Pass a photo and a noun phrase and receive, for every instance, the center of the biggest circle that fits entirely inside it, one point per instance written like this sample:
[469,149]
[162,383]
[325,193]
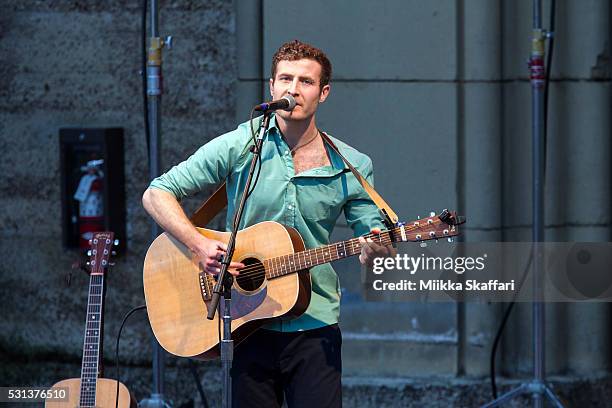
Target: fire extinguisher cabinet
[93,184]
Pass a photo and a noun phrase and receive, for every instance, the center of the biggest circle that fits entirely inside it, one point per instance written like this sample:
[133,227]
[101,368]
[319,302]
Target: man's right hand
[168,213]
[210,254]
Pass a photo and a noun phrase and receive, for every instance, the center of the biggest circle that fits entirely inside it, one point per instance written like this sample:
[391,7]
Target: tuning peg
[113,253]
[450,239]
[111,264]
[432,213]
[89,252]
[423,244]
[116,242]
[88,263]
[90,242]
[418,217]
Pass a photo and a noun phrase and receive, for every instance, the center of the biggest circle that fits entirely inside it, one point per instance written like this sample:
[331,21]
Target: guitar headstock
[441,226]
[101,249]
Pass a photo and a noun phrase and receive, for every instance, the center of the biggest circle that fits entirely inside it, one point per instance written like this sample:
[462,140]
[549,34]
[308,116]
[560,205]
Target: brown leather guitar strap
[211,207]
[218,200]
[378,200]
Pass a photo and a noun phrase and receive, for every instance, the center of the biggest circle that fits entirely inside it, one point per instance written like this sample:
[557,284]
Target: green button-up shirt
[310,201]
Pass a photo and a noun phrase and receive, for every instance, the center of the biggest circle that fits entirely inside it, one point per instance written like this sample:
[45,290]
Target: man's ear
[271,87]
[324,93]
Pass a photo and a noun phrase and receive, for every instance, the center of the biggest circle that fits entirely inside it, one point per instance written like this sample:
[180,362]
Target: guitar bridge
[206,287]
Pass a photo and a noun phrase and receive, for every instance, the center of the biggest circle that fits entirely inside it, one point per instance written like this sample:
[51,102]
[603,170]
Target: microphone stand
[537,387]
[223,287]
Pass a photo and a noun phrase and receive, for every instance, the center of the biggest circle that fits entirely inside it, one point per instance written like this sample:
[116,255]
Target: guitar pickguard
[244,304]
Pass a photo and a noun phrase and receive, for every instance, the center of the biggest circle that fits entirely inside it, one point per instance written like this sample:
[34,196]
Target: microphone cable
[142,307]
[254,137]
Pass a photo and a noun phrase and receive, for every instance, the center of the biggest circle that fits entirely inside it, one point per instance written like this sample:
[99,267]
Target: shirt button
[290,207]
[286,152]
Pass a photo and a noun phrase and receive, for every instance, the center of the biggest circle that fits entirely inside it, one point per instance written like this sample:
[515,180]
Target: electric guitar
[90,390]
[274,283]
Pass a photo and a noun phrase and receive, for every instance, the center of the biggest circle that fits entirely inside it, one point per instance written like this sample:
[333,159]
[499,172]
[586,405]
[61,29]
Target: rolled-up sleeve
[208,166]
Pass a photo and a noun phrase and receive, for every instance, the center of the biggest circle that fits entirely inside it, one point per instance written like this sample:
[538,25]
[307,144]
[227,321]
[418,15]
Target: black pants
[304,366]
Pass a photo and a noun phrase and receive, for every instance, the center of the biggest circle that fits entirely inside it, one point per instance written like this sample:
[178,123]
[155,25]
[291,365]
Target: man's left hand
[371,249]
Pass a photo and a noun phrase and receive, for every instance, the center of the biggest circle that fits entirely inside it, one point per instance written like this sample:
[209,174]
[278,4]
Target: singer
[303,184]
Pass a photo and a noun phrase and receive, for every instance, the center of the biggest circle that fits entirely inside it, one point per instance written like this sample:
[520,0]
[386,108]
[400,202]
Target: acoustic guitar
[275,282]
[90,390]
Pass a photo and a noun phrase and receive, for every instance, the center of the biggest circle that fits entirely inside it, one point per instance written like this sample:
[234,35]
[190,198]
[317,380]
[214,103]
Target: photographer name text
[443,285]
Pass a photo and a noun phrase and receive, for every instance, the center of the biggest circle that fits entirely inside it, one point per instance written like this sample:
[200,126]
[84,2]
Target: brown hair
[297,50]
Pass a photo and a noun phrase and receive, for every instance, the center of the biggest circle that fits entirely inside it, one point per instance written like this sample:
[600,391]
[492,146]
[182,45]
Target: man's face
[301,79]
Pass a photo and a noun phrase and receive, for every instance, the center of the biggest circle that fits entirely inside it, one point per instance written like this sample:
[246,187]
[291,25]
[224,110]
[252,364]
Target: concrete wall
[578,171]
[68,63]
[437,93]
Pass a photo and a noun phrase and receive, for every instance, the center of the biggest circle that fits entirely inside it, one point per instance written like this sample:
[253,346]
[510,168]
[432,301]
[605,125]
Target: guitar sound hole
[252,276]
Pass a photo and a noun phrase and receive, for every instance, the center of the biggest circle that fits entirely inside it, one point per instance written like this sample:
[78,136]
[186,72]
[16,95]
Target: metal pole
[154,90]
[227,350]
[537,130]
[537,387]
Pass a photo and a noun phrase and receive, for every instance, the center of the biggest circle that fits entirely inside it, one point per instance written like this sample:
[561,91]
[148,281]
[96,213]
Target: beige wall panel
[369,40]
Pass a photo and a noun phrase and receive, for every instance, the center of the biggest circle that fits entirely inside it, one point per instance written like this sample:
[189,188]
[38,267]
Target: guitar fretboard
[91,345]
[430,228]
[283,265]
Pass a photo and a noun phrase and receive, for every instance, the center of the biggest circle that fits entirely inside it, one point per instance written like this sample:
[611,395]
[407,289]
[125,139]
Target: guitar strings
[256,270]
[384,239]
[258,267]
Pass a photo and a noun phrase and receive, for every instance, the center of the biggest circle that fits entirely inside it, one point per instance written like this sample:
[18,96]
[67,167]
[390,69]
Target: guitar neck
[430,228]
[284,265]
[92,344]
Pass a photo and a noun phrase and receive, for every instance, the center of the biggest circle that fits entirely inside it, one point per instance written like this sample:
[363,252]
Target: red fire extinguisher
[91,204]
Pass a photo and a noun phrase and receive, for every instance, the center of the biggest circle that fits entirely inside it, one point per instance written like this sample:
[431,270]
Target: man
[303,184]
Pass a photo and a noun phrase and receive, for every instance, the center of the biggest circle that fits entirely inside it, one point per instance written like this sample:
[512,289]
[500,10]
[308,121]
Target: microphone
[287,103]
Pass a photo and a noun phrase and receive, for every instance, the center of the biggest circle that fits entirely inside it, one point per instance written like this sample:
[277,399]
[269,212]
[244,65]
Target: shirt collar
[336,161]
[273,125]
